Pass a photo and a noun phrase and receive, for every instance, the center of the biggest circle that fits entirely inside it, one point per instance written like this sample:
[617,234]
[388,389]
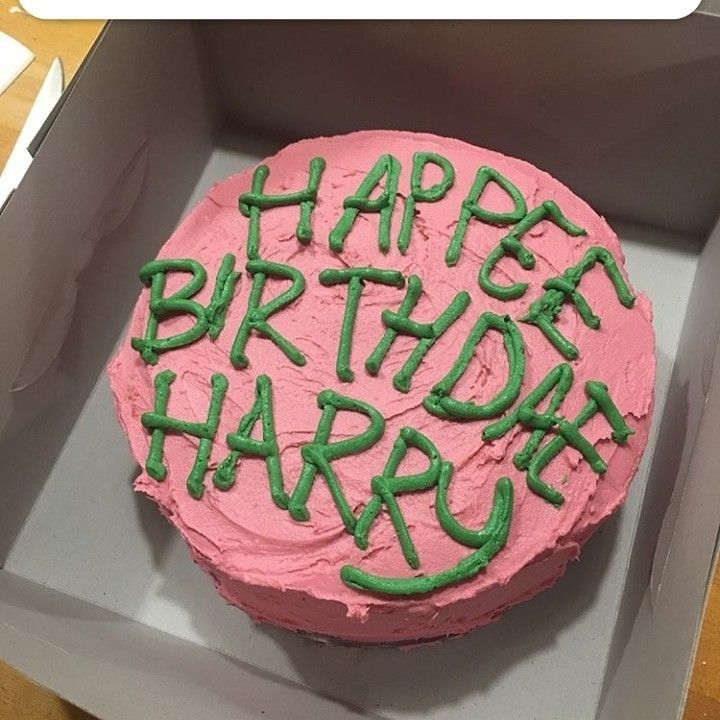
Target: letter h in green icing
[210,319]
[319,454]
[563,289]
[355,279]
[427,334]
[160,424]
[251,204]
[389,167]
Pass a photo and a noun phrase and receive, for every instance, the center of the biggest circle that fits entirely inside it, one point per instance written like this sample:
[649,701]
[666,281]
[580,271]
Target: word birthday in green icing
[550,432]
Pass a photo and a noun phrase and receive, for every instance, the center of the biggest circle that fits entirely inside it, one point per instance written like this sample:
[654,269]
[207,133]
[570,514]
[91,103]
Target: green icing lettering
[467,536]
[560,380]
[256,317]
[440,402]
[511,245]
[355,278]
[242,444]
[387,486]
[568,433]
[533,460]
[419,194]
[251,204]
[227,279]
[398,323]
[319,454]
[159,423]
[471,208]
[211,319]
[498,527]
[544,311]
[389,167]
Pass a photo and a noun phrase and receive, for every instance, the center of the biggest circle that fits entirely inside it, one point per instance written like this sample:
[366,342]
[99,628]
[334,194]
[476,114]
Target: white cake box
[99,599]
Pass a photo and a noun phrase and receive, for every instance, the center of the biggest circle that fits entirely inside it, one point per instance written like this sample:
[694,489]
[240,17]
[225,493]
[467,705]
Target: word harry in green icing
[318,456]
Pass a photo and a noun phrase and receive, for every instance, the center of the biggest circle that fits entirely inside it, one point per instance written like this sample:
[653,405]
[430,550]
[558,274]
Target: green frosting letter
[252,203]
[489,540]
[419,194]
[389,167]
[511,245]
[211,319]
[399,323]
[319,454]
[535,460]
[387,486]
[241,443]
[544,311]
[440,403]
[355,278]
[160,424]
[471,208]
[257,315]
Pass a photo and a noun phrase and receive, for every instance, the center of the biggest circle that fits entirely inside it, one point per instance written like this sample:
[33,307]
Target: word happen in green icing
[386,486]
[441,403]
[210,319]
[534,460]
[559,290]
[319,454]
[399,323]
[251,204]
[355,278]
[159,423]
[419,194]
[388,167]
[489,540]
[377,193]
[256,317]
[511,245]
[242,444]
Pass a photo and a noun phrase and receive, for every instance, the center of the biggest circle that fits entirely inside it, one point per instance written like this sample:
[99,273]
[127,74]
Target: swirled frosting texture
[287,572]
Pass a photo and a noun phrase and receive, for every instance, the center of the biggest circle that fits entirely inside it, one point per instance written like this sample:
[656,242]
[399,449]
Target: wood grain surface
[69,40]
[21,699]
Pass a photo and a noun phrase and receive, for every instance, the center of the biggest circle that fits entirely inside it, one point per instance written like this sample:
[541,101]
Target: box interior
[220,101]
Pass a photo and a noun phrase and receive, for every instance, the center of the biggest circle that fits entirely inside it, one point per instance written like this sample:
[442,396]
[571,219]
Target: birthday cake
[386,384]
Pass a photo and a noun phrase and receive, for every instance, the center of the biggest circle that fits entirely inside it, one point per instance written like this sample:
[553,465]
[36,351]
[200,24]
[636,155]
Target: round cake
[386,384]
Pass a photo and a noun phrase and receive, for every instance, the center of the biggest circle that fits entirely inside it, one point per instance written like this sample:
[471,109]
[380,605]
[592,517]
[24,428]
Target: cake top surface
[452,308]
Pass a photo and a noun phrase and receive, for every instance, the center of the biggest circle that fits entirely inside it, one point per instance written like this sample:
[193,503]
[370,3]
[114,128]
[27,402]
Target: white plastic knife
[14,58]
[20,157]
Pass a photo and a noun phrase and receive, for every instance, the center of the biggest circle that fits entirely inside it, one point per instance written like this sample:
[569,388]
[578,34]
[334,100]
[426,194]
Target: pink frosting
[286,572]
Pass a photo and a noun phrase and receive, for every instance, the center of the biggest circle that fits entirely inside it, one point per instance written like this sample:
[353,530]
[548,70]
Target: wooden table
[21,699]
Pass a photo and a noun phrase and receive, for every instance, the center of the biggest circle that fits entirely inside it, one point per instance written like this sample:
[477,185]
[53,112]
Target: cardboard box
[99,599]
